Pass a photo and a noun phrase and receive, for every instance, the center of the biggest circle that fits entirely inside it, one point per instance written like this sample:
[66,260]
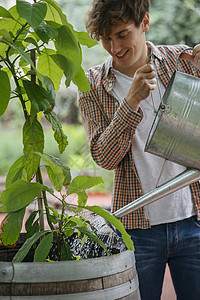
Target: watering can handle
[177,60]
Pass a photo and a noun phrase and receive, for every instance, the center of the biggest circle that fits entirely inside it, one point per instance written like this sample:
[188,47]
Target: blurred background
[172,21]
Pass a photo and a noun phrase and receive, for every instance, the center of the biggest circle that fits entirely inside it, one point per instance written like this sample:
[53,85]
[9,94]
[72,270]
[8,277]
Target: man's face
[127,45]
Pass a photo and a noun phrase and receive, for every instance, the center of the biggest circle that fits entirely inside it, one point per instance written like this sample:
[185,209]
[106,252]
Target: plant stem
[60,237]
[38,174]
[12,69]
[40,207]
[33,76]
[40,180]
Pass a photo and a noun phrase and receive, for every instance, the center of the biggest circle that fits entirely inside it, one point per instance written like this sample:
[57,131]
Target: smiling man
[117,114]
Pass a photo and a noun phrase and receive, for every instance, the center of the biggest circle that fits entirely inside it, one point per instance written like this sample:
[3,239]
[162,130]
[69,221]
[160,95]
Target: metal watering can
[174,136]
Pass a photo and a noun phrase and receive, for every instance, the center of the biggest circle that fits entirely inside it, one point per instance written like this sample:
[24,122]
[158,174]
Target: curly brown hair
[105,14]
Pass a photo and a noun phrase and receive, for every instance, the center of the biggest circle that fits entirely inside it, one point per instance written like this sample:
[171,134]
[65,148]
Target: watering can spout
[187,177]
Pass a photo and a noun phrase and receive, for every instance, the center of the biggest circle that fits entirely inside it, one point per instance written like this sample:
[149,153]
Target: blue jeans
[177,244]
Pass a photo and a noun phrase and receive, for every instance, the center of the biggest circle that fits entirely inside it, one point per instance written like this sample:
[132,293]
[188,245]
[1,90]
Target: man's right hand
[144,81]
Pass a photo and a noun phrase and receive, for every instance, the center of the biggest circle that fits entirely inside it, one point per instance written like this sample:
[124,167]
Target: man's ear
[145,22]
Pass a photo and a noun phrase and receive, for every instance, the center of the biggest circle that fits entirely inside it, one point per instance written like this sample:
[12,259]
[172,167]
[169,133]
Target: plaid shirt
[110,128]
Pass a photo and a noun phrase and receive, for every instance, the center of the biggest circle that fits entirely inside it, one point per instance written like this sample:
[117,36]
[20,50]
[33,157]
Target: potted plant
[37,47]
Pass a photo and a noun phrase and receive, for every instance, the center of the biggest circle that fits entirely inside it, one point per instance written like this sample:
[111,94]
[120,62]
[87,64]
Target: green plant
[37,47]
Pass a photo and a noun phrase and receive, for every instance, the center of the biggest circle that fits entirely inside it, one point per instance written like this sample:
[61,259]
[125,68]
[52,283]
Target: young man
[117,114]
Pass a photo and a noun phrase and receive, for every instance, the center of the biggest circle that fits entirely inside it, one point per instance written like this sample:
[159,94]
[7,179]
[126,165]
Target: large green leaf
[85,39]
[23,251]
[79,184]
[82,199]
[6,35]
[3,48]
[33,229]
[81,81]
[30,220]
[11,25]
[68,46]
[4,13]
[35,96]
[66,253]
[20,194]
[83,182]
[54,12]
[48,67]
[5,91]
[46,32]
[54,171]
[16,172]
[11,227]
[115,222]
[34,13]
[63,63]
[33,140]
[43,248]
[59,135]
[41,99]
[49,92]
[57,162]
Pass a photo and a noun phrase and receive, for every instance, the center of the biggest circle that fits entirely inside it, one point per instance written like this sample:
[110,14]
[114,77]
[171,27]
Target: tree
[174,22]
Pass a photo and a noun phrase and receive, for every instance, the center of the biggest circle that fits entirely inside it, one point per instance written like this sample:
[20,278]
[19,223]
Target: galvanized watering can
[174,136]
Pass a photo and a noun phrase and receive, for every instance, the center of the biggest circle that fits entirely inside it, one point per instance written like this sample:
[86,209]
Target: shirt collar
[109,66]
[155,51]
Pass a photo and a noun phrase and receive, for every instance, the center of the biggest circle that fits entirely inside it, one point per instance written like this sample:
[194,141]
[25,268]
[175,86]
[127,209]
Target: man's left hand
[194,58]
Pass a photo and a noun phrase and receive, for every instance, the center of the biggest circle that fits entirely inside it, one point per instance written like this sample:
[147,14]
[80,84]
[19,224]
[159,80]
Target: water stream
[90,249]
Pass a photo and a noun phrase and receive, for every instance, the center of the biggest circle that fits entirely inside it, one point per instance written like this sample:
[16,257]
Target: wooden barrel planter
[108,277]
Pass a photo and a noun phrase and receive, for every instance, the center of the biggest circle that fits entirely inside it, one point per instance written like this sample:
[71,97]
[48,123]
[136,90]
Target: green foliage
[33,140]
[48,67]
[59,135]
[79,184]
[33,13]
[32,35]
[12,225]
[43,248]
[27,246]
[115,222]
[174,22]
[58,173]
[16,172]
[20,194]
[41,99]
[82,84]
[5,93]
[68,49]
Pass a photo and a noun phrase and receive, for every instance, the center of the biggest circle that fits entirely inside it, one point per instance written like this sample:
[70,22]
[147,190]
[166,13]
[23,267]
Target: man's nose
[115,46]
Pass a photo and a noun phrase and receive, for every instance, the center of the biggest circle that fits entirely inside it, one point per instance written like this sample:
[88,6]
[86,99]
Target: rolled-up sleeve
[110,137]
